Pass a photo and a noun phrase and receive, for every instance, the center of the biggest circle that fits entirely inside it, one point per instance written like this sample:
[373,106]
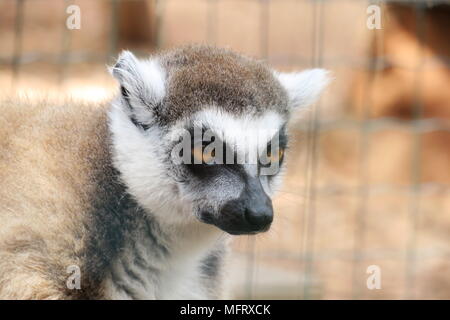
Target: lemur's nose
[258,206]
[260,214]
[252,212]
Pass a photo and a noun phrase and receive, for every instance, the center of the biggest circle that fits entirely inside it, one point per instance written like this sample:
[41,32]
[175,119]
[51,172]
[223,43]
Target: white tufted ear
[305,87]
[142,85]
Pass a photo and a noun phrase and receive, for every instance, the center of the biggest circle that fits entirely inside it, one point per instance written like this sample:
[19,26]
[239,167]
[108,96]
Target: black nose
[242,216]
[260,215]
[251,213]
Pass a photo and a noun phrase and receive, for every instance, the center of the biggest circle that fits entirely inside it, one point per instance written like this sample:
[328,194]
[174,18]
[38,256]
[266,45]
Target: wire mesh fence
[361,189]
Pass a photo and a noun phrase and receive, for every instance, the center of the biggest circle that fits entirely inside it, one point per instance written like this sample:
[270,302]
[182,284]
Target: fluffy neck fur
[165,252]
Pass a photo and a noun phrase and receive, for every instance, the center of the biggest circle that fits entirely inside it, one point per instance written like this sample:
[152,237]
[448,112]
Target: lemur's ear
[142,85]
[305,87]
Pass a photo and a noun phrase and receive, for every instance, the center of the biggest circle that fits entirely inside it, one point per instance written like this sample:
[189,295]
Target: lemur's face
[228,166]
[215,128]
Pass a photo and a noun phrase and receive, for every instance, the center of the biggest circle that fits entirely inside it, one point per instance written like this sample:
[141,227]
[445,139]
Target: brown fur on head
[176,84]
[199,76]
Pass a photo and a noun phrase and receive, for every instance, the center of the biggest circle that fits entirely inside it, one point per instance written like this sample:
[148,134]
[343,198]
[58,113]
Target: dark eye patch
[279,146]
[211,169]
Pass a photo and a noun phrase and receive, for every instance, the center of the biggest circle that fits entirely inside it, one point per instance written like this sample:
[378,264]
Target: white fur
[304,88]
[232,128]
[177,277]
[145,82]
[248,132]
[135,154]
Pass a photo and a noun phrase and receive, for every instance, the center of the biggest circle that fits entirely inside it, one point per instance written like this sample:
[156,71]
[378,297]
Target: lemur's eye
[273,156]
[276,155]
[200,156]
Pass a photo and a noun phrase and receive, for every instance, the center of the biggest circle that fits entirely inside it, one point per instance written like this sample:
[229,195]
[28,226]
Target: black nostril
[259,217]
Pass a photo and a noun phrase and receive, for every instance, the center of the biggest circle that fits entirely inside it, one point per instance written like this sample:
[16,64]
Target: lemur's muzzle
[251,213]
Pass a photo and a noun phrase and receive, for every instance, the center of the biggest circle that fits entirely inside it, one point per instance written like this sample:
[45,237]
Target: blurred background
[368,179]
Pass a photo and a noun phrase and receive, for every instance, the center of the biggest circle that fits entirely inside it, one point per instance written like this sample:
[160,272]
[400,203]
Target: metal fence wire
[298,267]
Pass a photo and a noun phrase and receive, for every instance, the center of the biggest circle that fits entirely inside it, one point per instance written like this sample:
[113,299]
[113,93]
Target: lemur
[96,187]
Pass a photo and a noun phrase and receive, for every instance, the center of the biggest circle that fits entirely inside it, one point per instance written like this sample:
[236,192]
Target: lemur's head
[199,134]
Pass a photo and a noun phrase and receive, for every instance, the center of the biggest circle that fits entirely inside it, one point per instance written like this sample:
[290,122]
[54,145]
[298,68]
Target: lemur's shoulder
[52,146]
[55,170]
